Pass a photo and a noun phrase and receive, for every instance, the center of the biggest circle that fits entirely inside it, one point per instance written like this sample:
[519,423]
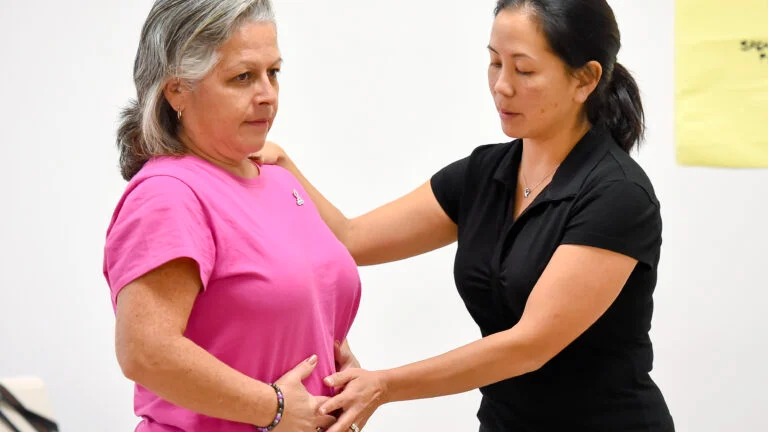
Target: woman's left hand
[364,392]
[344,357]
[270,154]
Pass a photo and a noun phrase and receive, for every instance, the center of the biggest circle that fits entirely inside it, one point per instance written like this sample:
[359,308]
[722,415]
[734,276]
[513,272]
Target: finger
[340,379]
[334,404]
[319,401]
[344,422]
[325,421]
[304,369]
[337,353]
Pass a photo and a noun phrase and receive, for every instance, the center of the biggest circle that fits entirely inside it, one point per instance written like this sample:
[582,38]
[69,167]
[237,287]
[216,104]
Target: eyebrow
[251,65]
[515,55]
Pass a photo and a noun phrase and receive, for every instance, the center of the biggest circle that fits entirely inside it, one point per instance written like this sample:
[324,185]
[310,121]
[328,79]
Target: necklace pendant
[526,192]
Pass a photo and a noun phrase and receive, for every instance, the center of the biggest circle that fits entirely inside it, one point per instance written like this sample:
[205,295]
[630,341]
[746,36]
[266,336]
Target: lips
[508,114]
[258,122]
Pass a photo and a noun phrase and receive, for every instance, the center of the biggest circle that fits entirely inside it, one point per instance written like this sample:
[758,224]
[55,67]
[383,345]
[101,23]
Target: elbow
[528,361]
[132,364]
[531,354]
[137,360]
[347,237]
[534,363]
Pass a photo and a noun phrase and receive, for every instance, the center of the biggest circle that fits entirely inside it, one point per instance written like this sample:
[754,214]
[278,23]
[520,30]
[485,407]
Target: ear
[175,93]
[587,79]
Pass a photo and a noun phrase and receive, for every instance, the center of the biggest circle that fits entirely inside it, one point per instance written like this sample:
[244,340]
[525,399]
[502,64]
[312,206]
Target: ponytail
[129,141]
[147,130]
[619,109]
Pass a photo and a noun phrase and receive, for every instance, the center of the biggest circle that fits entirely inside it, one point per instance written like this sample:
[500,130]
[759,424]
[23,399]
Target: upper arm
[612,230]
[153,309]
[424,220]
[159,253]
[578,285]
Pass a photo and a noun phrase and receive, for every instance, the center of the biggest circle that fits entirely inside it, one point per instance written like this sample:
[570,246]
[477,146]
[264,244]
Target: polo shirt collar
[571,174]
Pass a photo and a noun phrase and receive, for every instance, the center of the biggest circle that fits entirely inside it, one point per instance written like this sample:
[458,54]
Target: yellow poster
[721,83]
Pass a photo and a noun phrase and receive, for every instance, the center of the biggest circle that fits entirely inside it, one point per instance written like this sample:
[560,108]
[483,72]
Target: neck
[542,155]
[241,167]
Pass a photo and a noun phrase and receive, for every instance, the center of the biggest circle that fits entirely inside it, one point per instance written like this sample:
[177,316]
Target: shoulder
[482,163]
[277,173]
[474,169]
[488,157]
[182,168]
[162,186]
[171,178]
[616,169]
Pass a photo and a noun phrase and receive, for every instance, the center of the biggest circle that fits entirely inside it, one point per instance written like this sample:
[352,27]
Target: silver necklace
[526,190]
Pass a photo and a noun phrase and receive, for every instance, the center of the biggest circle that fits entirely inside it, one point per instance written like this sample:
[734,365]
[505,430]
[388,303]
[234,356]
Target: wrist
[270,407]
[385,385]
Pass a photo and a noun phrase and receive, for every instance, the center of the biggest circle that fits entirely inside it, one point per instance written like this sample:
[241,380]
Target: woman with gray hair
[232,297]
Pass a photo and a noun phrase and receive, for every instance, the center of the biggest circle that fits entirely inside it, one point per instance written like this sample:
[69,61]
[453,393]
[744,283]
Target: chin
[513,131]
[252,145]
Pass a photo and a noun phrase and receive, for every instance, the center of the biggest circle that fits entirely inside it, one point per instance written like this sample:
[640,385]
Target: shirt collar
[571,174]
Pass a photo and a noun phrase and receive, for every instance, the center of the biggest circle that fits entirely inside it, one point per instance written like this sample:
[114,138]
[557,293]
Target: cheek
[493,76]
[541,99]
[219,114]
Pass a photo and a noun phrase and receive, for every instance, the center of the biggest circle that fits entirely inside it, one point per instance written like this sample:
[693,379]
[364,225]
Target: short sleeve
[159,220]
[621,217]
[448,187]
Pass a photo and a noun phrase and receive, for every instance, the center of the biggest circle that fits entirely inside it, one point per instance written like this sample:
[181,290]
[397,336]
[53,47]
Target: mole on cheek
[554,106]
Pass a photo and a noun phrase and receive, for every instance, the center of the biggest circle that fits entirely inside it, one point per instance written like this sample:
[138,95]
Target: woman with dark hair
[559,237]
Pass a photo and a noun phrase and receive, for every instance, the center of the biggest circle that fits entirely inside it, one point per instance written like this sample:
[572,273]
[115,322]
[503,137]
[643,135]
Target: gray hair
[179,40]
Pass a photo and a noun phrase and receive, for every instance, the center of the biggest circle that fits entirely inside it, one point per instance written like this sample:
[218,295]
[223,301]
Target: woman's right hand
[301,413]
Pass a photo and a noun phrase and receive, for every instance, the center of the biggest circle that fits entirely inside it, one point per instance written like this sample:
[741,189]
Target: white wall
[376,96]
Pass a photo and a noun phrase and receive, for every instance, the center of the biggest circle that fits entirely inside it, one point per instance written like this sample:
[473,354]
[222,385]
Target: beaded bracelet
[280,408]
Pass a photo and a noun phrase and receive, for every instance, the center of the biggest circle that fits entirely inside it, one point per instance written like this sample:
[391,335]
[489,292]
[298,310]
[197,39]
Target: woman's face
[228,113]
[534,92]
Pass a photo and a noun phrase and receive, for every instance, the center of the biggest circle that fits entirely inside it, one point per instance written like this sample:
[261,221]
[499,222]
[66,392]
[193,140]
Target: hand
[301,408]
[270,154]
[344,357]
[363,393]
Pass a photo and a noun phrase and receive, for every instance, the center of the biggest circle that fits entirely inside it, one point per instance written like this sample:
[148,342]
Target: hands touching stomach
[358,398]
[301,413]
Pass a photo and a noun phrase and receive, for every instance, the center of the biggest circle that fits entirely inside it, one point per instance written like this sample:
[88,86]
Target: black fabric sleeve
[619,216]
[448,187]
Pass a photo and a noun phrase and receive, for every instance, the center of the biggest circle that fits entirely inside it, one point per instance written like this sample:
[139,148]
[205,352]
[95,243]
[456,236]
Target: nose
[267,92]
[503,85]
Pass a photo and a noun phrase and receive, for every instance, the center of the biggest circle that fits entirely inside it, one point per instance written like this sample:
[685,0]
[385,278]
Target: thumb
[341,379]
[304,369]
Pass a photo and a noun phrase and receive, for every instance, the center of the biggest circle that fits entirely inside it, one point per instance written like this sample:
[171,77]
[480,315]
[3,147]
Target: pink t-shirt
[278,285]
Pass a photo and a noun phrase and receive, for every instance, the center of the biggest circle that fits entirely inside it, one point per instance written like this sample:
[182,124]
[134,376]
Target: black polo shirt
[598,197]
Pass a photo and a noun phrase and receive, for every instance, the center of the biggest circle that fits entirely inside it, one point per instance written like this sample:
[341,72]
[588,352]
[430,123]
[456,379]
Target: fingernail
[328,381]
[322,411]
[313,359]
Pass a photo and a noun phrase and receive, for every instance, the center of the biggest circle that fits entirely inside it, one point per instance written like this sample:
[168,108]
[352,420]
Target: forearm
[487,361]
[333,217]
[184,374]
